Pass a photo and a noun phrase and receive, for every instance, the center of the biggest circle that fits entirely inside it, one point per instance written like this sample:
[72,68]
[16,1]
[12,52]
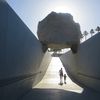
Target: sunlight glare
[68,9]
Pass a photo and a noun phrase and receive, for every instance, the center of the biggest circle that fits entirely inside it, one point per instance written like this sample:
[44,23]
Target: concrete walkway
[58,94]
[51,78]
[49,88]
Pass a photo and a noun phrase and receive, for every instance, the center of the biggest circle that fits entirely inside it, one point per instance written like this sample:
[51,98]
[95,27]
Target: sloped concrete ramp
[84,67]
[22,61]
[50,89]
[51,78]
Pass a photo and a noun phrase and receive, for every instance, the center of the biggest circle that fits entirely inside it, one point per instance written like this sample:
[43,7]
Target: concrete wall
[84,66]
[22,62]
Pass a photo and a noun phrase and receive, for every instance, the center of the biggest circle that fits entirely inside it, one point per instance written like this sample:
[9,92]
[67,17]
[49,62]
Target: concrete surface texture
[23,64]
[58,94]
[50,89]
[52,78]
[84,66]
[21,57]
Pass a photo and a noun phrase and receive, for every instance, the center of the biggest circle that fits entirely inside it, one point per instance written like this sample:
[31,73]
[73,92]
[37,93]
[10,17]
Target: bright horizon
[85,12]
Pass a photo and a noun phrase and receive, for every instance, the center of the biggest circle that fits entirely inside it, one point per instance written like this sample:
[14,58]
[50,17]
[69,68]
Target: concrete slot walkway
[49,88]
[51,78]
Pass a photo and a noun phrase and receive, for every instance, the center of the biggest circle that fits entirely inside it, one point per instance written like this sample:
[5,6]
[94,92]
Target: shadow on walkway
[49,89]
[58,94]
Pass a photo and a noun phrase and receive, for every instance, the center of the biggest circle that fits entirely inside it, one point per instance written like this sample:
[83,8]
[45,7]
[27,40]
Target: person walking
[65,78]
[61,76]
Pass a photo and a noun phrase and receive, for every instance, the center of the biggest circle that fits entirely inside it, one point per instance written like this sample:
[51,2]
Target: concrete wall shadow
[22,61]
[84,66]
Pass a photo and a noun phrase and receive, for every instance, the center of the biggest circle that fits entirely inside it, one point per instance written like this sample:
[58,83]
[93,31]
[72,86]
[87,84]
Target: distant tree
[92,32]
[81,36]
[85,33]
[98,29]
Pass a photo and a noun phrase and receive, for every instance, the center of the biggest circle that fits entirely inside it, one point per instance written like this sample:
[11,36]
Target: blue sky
[85,12]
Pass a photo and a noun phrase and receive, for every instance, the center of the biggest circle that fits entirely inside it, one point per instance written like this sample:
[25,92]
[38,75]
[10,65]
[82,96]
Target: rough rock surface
[58,28]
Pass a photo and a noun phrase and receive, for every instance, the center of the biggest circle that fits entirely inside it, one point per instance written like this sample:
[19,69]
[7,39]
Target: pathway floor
[50,89]
[51,78]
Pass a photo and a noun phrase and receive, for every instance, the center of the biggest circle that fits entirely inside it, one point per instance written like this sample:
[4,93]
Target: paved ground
[51,78]
[49,88]
[58,94]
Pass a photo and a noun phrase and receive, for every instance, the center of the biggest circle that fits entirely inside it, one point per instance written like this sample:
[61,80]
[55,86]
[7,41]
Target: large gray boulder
[58,30]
